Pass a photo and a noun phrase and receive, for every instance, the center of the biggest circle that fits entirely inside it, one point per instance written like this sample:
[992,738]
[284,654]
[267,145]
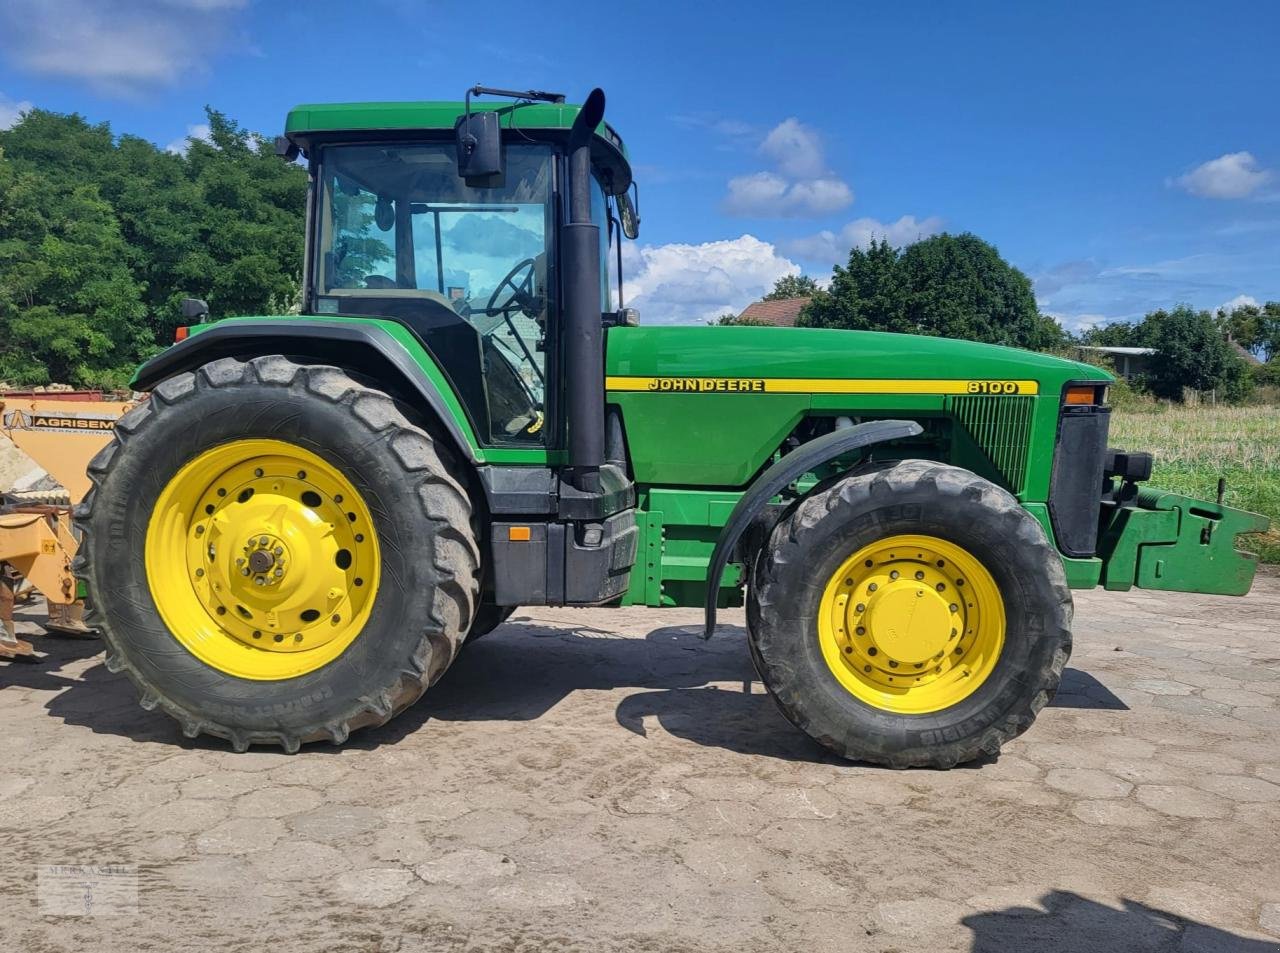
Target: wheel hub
[279,553]
[911,624]
[908,622]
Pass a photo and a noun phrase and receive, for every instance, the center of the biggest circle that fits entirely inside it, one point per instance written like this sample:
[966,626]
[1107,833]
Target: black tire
[488,617]
[421,512]
[919,497]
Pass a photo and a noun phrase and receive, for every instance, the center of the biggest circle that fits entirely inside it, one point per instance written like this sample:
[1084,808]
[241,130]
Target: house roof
[781,313]
[1120,350]
[1244,353]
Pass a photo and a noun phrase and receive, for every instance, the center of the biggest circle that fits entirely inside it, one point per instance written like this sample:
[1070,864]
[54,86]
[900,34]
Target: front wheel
[274,553]
[916,616]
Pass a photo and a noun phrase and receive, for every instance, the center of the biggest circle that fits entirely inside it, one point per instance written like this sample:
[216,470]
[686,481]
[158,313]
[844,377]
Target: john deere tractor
[299,530]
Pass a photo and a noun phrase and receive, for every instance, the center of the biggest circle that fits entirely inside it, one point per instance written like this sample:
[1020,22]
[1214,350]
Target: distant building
[781,313]
[1129,361]
[1244,353]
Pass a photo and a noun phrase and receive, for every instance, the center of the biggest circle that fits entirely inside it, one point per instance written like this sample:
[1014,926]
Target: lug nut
[954,607]
[894,574]
[244,571]
[259,581]
[860,608]
[262,540]
[919,574]
[279,550]
[279,573]
[872,587]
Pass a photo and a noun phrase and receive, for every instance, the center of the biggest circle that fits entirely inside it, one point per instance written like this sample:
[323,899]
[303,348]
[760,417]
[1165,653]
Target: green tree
[792,286]
[737,320]
[1190,352]
[865,295]
[101,237]
[953,286]
[1254,327]
[1116,334]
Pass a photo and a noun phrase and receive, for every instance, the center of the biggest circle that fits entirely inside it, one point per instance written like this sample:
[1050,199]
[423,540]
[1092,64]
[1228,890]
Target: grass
[1193,446]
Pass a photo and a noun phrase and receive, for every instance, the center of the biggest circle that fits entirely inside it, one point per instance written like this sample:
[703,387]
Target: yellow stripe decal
[819,385]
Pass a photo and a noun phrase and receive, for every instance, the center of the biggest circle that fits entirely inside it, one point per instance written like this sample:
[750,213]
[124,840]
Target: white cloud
[795,149]
[1235,175]
[117,46]
[690,284]
[199,130]
[11,112]
[1239,301]
[766,195]
[832,247]
[802,185]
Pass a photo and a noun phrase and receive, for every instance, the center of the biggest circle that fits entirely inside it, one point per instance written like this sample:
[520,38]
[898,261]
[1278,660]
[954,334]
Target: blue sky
[1125,156]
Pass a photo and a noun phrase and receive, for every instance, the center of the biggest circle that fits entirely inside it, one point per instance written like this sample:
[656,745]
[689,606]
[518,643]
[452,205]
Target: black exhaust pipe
[584,346]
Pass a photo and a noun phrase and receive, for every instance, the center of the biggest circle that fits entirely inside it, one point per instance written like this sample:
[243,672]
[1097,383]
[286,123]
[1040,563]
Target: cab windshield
[401,235]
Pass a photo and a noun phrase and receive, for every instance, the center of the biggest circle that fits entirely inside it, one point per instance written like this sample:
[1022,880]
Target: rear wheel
[275,554]
[917,616]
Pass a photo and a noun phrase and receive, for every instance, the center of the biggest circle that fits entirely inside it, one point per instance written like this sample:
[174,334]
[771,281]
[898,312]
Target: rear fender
[782,474]
[402,368]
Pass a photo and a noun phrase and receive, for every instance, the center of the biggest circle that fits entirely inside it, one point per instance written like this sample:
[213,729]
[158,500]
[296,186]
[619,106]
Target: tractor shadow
[703,692]
[1066,922]
[706,692]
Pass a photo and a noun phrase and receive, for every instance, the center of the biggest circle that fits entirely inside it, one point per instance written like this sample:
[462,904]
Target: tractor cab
[406,224]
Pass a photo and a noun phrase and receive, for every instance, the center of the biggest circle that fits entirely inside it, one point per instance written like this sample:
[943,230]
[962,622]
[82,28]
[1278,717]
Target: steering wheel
[520,280]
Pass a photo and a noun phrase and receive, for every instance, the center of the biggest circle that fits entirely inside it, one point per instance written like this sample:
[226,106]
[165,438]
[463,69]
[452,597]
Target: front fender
[781,475]
[374,348]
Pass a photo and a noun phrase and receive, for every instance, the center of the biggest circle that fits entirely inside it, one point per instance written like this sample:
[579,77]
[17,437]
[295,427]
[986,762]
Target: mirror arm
[617,242]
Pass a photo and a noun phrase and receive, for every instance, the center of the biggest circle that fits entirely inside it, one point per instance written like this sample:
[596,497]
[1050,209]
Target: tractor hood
[812,360]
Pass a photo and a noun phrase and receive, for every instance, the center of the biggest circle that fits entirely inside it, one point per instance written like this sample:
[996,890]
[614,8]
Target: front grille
[1001,427]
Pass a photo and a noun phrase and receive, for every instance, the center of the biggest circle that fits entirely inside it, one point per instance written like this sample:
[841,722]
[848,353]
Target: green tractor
[299,530]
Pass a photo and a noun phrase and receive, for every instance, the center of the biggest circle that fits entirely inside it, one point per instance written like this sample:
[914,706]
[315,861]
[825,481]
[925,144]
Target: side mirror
[479,137]
[193,309]
[628,217]
[285,149]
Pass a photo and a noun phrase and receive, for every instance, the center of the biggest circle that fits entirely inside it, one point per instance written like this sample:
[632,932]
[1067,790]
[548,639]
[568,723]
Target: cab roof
[314,122]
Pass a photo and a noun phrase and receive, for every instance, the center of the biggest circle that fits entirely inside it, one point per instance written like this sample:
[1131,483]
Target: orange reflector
[518,534]
[181,334]
[1080,395]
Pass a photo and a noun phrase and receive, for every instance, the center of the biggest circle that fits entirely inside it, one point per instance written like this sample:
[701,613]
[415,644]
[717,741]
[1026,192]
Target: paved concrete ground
[592,781]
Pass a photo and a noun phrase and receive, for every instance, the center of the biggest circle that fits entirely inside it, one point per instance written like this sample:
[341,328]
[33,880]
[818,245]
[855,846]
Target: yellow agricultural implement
[60,432]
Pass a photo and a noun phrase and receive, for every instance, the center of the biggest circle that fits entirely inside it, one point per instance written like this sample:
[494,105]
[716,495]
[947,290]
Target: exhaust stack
[584,347]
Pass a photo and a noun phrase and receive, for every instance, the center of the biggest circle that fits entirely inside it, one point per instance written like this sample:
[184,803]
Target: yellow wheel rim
[262,559]
[911,624]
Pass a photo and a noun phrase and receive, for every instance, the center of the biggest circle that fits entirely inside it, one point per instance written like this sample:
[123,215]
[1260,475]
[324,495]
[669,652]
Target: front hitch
[1164,540]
